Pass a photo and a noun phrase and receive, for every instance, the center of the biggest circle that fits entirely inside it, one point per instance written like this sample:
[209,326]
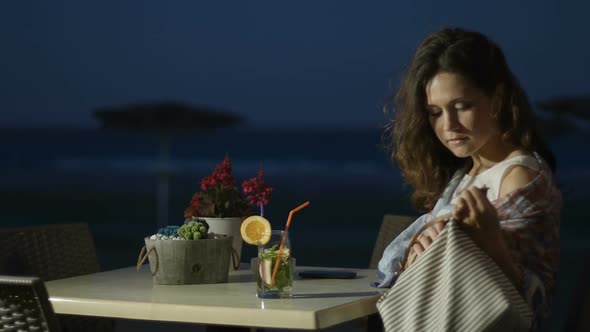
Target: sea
[113,180]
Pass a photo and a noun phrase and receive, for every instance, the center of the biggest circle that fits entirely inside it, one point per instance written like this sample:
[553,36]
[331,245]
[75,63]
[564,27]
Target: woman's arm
[480,219]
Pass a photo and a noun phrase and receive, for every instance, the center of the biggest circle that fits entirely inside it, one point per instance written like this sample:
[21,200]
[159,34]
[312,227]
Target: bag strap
[409,259]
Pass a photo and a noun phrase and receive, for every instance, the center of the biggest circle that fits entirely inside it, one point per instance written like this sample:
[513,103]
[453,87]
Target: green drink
[268,258]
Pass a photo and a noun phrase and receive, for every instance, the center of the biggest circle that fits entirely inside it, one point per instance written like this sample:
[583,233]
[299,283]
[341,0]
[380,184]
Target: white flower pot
[228,226]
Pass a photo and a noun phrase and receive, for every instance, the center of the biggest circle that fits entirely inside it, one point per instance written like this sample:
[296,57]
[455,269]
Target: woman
[463,136]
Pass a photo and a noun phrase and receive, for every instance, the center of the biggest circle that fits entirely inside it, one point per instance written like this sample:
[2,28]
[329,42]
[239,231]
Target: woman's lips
[457,140]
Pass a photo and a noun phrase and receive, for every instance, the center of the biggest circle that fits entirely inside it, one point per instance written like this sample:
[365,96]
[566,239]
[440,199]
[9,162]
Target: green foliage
[285,271]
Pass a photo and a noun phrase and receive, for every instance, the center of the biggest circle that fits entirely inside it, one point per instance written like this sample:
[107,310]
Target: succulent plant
[193,229]
[169,231]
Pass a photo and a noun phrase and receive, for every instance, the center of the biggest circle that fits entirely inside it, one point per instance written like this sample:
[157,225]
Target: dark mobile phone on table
[321,274]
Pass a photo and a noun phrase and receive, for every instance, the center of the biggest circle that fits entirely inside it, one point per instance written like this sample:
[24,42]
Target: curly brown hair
[425,162]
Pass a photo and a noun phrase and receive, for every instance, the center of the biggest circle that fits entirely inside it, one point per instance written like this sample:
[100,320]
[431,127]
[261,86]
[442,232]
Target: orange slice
[256,230]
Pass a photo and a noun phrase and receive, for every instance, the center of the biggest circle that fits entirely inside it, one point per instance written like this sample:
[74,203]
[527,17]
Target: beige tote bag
[454,286]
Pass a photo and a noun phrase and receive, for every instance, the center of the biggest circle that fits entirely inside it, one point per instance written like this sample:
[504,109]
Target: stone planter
[177,262]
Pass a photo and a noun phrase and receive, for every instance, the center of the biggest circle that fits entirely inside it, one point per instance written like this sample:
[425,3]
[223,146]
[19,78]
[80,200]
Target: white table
[130,294]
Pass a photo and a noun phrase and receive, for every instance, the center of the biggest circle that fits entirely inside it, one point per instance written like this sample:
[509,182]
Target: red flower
[221,174]
[219,196]
[257,192]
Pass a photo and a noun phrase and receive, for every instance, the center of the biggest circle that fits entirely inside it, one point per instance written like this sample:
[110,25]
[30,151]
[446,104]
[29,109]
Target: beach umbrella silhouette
[165,119]
[577,106]
[565,114]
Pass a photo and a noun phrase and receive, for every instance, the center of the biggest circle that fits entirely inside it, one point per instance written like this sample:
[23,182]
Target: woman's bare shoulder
[516,177]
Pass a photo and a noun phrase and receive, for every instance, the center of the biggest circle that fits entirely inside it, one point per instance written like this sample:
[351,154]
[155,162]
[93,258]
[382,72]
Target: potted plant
[188,254]
[223,206]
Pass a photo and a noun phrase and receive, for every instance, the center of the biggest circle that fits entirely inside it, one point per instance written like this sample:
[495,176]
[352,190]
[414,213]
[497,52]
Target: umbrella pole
[163,181]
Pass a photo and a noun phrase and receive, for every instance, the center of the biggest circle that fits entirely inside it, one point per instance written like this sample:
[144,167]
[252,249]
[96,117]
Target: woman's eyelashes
[434,113]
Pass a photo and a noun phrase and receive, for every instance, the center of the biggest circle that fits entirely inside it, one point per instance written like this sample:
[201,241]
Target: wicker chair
[391,227]
[53,252]
[24,305]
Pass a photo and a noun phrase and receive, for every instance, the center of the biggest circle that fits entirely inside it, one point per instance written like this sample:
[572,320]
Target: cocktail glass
[268,257]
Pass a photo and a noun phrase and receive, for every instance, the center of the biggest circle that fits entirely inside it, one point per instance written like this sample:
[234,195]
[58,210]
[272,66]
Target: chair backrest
[53,252]
[25,306]
[577,316]
[49,251]
[391,227]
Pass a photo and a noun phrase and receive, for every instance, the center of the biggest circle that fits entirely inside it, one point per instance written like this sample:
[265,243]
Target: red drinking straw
[276,269]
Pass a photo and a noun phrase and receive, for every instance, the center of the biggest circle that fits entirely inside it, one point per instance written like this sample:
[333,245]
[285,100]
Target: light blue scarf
[389,265]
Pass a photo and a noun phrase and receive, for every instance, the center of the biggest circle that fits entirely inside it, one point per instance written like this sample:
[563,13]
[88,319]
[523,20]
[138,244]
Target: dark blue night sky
[303,63]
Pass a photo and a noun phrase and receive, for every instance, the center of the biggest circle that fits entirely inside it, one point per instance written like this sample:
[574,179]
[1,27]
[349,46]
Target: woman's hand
[473,208]
[424,240]
[475,211]
[479,217]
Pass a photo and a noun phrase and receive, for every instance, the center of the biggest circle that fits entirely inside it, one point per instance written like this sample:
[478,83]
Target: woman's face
[460,115]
